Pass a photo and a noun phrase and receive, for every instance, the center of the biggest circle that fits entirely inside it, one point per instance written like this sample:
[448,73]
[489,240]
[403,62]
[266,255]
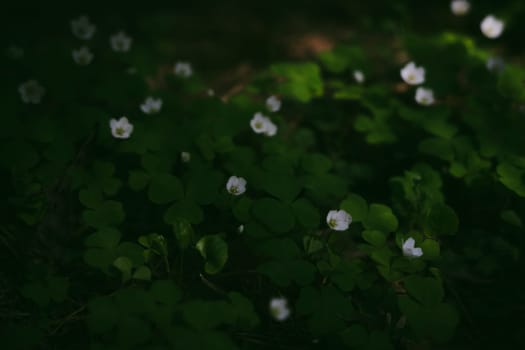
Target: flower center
[332,223]
[411,77]
[119,131]
[234,189]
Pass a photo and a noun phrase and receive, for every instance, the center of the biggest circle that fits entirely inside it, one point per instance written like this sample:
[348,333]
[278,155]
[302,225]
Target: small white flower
[338,220]
[83,56]
[210,92]
[460,7]
[120,42]
[236,185]
[424,97]
[82,28]
[409,249]
[185,157]
[279,309]
[492,27]
[151,105]
[183,69]
[240,229]
[15,52]
[359,76]
[413,75]
[495,64]
[31,92]
[261,124]
[273,103]
[121,128]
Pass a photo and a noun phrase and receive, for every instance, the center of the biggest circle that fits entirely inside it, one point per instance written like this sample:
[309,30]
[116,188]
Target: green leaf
[91,197]
[307,215]
[107,238]
[183,232]
[203,185]
[316,163]
[165,292]
[276,215]
[138,180]
[142,273]
[242,208]
[342,57]
[321,306]
[282,186]
[102,315]
[510,83]
[442,220]
[430,248]
[438,321]
[164,188]
[380,217]
[356,206]
[214,251]
[374,237]
[510,217]
[427,290]
[107,214]
[185,209]
[124,265]
[512,177]
[301,81]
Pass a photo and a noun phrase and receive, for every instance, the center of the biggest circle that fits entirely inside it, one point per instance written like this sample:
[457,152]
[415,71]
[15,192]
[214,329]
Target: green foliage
[124,243]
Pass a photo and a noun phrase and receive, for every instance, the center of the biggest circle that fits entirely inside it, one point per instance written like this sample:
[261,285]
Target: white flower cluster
[460,7]
[31,92]
[273,103]
[261,124]
[120,42]
[236,185]
[279,309]
[82,28]
[121,128]
[82,56]
[338,220]
[414,75]
[409,249]
[151,105]
[183,69]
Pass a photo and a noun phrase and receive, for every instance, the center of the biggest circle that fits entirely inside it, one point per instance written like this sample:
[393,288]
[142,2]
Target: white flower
[82,28]
[210,92]
[279,309]
[261,124]
[183,69]
[424,96]
[31,92]
[492,27]
[151,105]
[121,128]
[240,229]
[185,157]
[273,103]
[120,42]
[409,249]
[83,56]
[413,75]
[359,76]
[236,185]
[338,220]
[460,7]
